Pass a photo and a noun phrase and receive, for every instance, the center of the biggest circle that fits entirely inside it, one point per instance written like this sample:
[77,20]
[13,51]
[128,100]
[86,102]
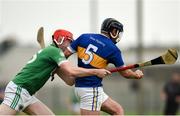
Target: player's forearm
[72,71]
[81,72]
[69,80]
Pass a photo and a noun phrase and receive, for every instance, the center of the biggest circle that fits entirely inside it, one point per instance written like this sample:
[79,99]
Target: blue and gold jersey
[95,51]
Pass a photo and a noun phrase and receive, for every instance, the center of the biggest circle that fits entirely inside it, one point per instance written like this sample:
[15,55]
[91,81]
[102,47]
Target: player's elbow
[70,83]
[69,80]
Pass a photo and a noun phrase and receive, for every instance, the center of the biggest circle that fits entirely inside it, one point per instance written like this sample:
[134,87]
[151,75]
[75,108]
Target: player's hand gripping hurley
[169,57]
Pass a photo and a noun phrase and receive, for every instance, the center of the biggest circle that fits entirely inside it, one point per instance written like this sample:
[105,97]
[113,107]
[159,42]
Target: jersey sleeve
[116,58]
[74,45]
[57,56]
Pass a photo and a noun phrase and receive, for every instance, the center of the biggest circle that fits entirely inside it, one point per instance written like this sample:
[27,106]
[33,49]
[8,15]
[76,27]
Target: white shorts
[91,98]
[17,97]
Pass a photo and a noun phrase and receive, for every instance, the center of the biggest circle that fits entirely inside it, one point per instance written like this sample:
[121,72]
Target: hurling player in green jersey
[19,93]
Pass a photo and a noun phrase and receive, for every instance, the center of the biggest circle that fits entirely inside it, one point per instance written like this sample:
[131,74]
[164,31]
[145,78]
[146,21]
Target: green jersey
[38,70]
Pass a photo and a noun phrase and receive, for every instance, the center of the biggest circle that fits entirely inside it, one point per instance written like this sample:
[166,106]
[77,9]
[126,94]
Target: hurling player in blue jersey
[96,51]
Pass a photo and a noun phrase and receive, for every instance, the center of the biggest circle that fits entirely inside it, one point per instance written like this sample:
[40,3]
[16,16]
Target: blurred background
[150,28]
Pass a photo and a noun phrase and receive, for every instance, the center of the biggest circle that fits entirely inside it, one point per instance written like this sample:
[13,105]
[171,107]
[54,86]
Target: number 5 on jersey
[89,53]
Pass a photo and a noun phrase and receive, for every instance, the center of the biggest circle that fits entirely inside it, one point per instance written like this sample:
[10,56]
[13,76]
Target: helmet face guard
[108,25]
[117,37]
[61,35]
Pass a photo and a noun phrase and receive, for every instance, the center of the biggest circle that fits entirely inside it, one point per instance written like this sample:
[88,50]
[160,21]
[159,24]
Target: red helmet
[65,35]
